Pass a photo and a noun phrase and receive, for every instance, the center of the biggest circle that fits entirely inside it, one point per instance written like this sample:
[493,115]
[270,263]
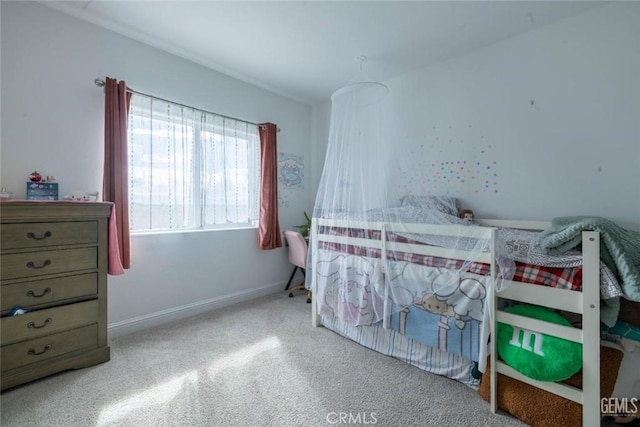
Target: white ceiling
[307,49]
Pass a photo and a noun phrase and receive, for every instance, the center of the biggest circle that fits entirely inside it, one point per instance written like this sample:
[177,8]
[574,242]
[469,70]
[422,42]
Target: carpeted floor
[256,364]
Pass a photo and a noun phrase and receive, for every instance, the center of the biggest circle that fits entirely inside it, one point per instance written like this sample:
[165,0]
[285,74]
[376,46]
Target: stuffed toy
[81,196]
[536,355]
[466,214]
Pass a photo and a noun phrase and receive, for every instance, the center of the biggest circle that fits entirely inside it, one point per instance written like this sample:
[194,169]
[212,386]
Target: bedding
[362,300]
[620,248]
[520,255]
[392,343]
[355,284]
[445,204]
[437,301]
[558,274]
[440,308]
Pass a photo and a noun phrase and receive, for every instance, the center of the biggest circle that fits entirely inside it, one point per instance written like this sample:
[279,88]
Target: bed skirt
[394,344]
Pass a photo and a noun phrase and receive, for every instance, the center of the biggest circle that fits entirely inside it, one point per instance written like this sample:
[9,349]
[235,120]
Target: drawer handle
[30,235]
[33,352]
[46,262]
[32,325]
[32,294]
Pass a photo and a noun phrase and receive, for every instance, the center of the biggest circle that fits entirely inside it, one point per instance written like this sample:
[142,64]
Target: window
[190,169]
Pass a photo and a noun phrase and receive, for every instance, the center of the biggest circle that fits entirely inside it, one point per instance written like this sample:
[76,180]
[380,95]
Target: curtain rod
[101,83]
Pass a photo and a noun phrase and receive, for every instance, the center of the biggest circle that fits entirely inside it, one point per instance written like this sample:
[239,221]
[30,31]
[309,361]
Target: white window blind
[190,169]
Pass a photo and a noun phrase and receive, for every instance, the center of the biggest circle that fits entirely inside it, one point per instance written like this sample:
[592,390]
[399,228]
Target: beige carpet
[256,364]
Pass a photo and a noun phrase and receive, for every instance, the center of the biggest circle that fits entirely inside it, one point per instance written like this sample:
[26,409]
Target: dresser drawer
[35,350]
[46,291]
[43,234]
[30,264]
[44,322]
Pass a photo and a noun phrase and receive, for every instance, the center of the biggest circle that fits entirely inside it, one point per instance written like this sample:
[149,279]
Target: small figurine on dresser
[35,177]
[81,196]
[466,214]
[5,195]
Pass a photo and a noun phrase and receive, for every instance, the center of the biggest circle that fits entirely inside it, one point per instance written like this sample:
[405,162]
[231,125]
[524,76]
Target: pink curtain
[116,173]
[269,228]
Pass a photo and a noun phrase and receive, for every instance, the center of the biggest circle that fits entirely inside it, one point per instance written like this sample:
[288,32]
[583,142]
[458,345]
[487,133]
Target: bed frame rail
[321,233]
[586,303]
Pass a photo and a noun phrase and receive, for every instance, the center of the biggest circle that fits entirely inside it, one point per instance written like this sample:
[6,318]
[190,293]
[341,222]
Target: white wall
[320,123]
[553,113]
[52,121]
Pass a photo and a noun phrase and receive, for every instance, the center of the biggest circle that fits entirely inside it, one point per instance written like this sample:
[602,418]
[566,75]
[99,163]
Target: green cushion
[541,357]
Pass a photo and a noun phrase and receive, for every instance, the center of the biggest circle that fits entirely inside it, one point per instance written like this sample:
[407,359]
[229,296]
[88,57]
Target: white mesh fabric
[358,184]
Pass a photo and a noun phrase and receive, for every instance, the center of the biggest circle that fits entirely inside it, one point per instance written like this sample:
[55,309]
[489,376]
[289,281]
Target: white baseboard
[125,327]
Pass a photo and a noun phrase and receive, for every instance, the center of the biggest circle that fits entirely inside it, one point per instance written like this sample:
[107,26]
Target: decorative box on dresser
[53,264]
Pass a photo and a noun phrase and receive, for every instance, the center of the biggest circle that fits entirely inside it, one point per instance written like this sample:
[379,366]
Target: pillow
[445,204]
[538,356]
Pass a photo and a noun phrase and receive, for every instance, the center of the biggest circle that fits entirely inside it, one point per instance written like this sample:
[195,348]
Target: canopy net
[372,258]
[358,192]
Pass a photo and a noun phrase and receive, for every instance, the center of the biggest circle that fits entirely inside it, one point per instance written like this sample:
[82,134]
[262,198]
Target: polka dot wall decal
[451,160]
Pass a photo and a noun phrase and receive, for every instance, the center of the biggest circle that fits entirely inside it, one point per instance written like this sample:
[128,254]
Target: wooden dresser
[53,263]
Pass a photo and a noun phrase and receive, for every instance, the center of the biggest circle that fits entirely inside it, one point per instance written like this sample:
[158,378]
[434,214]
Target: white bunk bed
[585,303]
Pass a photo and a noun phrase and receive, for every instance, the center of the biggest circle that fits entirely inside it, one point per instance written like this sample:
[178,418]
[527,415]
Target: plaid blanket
[531,265]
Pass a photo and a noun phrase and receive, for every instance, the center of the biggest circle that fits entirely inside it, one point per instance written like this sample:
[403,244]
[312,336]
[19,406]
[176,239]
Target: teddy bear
[81,196]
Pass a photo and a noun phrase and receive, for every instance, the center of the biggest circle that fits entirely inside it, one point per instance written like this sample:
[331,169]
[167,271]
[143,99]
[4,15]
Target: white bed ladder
[586,303]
